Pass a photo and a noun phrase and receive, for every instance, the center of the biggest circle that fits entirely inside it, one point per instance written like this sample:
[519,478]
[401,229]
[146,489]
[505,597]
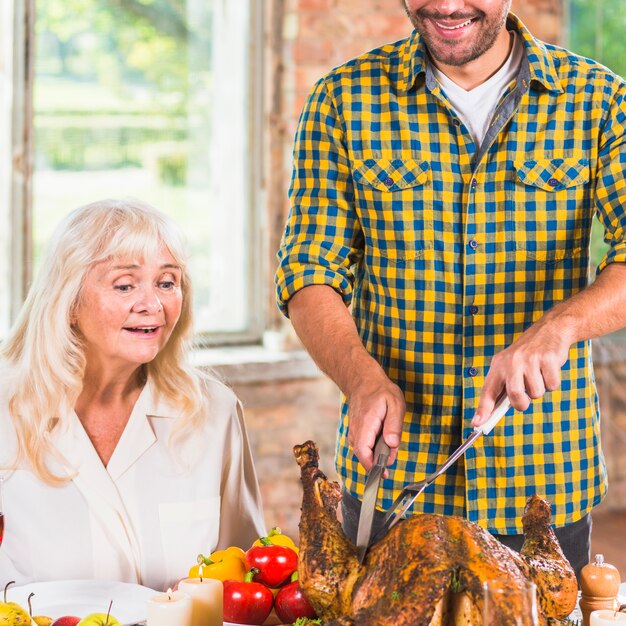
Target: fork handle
[498,413]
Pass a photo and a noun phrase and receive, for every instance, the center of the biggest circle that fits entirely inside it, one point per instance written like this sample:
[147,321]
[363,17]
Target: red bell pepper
[290,602]
[247,602]
[275,563]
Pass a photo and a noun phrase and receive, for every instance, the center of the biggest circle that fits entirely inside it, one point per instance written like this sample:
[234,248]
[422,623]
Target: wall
[305,39]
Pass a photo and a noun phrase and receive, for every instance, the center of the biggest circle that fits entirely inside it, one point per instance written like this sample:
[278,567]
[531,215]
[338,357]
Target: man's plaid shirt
[448,251]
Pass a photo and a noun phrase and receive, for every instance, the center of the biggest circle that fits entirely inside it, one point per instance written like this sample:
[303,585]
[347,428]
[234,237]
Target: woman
[120,460]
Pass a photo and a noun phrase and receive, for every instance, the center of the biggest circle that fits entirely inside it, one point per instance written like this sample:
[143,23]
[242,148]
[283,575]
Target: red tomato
[276,564]
[246,602]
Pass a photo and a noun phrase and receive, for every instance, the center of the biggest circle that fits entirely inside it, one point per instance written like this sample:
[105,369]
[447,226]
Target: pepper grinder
[599,584]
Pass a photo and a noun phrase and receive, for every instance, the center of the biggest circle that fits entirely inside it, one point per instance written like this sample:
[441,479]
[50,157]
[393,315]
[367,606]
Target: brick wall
[306,38]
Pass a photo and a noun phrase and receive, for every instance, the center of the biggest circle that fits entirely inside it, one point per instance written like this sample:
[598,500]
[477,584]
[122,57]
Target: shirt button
[473,309]
[457,121]
[472,371]
[553,182]
[473,244]
[388,181]
[474,183]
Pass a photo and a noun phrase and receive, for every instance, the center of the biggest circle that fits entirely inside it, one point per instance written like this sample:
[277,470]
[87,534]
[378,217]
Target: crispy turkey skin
[428,570]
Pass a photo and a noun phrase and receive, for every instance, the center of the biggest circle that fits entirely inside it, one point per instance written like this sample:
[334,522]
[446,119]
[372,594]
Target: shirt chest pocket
[549,208]
[394,200]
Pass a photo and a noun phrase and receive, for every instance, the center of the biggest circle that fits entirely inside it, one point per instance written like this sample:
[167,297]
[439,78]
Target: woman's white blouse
[145,517]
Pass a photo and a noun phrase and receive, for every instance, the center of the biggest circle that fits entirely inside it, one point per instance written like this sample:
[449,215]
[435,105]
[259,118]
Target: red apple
[66,620]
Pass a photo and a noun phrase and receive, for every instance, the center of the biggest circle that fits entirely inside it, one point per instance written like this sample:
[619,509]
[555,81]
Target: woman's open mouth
[143,330]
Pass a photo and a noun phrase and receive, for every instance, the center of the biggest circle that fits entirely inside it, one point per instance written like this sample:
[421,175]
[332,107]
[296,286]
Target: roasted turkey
[428,570]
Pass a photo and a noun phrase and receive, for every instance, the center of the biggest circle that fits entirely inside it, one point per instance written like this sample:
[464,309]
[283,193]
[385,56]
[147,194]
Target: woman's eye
[167,284]
[123,288]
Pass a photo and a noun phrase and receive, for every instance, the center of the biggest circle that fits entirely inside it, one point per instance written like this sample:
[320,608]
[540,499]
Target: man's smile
[455,27]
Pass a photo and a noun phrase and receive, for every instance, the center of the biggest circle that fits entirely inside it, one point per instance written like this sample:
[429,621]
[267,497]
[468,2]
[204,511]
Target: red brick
[315,5]
[307,52]
[306,76]
[382,7]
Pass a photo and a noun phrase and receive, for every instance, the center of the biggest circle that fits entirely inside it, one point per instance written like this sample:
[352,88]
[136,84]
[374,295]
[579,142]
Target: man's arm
[328,332]
[532,364]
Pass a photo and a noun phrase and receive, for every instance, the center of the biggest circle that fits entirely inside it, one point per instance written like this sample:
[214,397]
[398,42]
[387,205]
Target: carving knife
[370,495]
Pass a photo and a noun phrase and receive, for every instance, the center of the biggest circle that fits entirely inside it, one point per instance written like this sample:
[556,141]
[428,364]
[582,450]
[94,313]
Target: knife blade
[370,495]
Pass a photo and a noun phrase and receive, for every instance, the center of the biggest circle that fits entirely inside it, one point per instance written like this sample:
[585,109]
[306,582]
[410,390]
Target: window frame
[20,197]
[20,200]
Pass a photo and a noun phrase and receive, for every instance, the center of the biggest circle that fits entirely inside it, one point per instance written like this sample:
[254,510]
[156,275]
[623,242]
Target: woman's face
[127,310]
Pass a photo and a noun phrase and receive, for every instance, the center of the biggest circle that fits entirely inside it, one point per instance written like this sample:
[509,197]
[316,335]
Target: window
[156,100]
[596,30]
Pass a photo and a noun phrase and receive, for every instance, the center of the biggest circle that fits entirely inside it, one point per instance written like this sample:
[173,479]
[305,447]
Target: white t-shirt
[476,107]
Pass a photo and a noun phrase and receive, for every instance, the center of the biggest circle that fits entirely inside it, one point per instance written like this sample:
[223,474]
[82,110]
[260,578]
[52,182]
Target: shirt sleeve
[241,513]
[611,181]
[322,240]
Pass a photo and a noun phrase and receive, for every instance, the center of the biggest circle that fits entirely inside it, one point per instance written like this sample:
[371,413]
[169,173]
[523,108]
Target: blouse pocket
[546,209]
[188,528]
[394,199]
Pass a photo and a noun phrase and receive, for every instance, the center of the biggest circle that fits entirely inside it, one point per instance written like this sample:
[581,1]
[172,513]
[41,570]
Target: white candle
[169,609]
[606,617]
[207,596]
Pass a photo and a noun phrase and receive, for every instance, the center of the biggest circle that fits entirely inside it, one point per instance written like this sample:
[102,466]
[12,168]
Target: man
[444,186]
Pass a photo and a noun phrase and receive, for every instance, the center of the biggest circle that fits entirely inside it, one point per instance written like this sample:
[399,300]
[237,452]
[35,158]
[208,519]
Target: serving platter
[82,597]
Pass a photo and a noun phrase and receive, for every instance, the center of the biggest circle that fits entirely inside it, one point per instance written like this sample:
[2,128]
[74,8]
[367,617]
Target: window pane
[150,99]
[597,31]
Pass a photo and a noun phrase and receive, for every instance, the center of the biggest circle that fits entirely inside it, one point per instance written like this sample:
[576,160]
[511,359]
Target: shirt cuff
[289,283]
[616,254]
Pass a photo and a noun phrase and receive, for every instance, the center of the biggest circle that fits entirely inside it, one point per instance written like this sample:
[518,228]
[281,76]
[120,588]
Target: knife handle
[381,451]
[498,413]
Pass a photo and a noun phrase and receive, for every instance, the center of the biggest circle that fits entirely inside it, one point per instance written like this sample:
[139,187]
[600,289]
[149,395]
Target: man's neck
[479,70]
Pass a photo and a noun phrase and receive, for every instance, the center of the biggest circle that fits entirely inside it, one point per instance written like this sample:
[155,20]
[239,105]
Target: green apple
[98,619]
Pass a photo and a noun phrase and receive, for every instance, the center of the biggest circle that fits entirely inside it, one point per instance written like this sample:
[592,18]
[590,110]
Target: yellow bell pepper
[276,537]
[223,565]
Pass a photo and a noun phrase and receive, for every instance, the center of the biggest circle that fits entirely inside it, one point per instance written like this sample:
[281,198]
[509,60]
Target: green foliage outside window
[596,30]
[113,82]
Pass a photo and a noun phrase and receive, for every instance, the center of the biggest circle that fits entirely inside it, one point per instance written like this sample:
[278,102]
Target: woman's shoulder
[217,392]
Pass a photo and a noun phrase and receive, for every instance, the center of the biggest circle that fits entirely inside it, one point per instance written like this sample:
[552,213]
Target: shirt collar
[414,58]
[157,404]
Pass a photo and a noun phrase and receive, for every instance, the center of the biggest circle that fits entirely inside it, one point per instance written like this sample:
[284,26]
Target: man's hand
[328,332]
[375,404]
[525,370]
[532,364]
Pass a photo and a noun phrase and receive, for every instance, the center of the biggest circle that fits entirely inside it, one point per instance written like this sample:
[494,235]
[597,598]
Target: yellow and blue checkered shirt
[448,251]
